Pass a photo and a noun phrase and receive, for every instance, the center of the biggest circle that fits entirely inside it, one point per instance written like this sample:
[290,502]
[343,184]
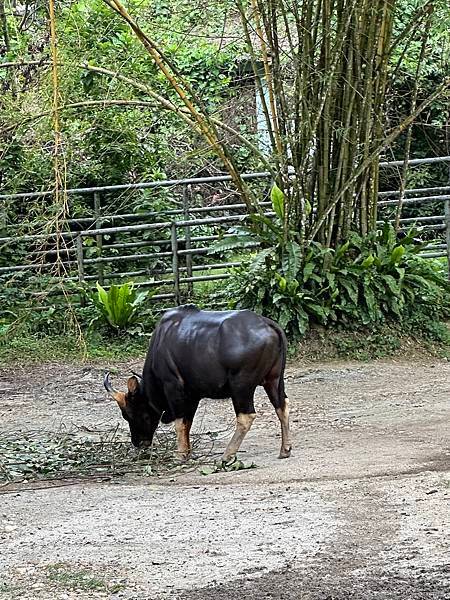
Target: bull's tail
[283,347]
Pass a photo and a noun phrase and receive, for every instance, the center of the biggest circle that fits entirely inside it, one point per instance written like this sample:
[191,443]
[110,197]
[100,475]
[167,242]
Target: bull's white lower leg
[243,424]
[182,429]
[283,415]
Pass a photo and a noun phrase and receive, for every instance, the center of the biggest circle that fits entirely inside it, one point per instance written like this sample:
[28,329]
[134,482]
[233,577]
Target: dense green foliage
[115,144]
[366,280]
[360,283]
[105,143]
[115,130]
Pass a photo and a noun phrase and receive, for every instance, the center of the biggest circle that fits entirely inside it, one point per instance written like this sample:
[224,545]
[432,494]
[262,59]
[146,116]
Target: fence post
[99,236]
[447,232]
[175,269]
[80,262]
[186,205]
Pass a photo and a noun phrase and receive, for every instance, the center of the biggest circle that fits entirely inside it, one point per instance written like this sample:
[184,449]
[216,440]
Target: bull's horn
[119,397]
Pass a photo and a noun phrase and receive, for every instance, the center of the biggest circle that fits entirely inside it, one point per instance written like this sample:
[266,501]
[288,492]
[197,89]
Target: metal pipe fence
[173,252]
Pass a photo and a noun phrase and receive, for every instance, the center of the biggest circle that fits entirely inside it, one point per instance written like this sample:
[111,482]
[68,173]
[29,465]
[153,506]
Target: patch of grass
[116,347]
[368,346]
[320,343]
[375,342]
[31,348]
[76,579]
[208,293]
[10,590]
[419,331]
[28,348]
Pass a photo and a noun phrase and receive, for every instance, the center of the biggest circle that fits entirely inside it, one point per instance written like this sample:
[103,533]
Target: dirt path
[360,511]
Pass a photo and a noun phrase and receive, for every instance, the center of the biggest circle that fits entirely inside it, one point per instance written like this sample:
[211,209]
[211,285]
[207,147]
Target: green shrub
[364,281]
[118,306]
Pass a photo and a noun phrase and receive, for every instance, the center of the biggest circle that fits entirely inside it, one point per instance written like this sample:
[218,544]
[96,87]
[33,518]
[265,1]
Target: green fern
[119,304]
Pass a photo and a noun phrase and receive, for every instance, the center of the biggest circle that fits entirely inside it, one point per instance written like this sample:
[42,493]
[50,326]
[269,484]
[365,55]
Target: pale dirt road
[359,512]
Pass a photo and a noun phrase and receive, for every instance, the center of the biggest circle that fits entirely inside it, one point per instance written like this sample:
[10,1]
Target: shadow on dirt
[333,580]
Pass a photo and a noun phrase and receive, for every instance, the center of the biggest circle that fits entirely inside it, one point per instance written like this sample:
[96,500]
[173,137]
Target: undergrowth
[36,348]
[371,296]
[367,281]
[388,340]
[430,338]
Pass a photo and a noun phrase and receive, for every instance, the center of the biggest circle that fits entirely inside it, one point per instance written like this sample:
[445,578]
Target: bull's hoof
[184,456]
[285,452]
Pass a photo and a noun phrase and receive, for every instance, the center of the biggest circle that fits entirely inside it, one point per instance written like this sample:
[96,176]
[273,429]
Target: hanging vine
[60,197]
[59,166]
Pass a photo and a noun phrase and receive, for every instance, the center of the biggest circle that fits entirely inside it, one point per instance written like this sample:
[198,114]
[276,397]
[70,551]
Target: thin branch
[162,102]
[409,131]
[189,99]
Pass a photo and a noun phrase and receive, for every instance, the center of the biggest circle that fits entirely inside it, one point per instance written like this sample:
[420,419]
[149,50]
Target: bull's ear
[133,385]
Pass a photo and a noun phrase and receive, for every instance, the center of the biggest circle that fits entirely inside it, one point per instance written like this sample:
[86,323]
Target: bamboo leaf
[318,311]
[302,321]
[351,287]
[140,298]
[102,294]
[271,225]
[371,302]
[392,284]
[341,251]
[284,317]
[282,283]
[308,208]
[260,259]
[308,270]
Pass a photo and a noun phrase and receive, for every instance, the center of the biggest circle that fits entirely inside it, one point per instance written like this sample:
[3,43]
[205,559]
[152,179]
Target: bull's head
[142,417]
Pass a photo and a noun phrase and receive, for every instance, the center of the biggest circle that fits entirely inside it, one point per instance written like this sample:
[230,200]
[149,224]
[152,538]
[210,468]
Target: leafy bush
[118,306]
[364,281]
[33,304]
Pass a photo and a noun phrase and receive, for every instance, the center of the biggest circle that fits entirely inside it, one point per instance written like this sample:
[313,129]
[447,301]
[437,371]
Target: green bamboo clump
[327,64]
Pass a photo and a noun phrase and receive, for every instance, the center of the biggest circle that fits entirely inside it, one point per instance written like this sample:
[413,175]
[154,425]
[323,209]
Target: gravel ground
[360,511]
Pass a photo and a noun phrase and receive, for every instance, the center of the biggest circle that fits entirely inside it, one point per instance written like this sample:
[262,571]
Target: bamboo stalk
[376,151]
[256,71]
[6,39]
[408,140]
[381,84]
[268,76]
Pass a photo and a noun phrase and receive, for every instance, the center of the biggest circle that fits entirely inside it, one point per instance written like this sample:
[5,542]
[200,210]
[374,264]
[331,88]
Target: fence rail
[171,253]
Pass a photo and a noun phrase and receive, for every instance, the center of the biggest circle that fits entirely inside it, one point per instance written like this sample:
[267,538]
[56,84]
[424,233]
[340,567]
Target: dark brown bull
[197,354]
